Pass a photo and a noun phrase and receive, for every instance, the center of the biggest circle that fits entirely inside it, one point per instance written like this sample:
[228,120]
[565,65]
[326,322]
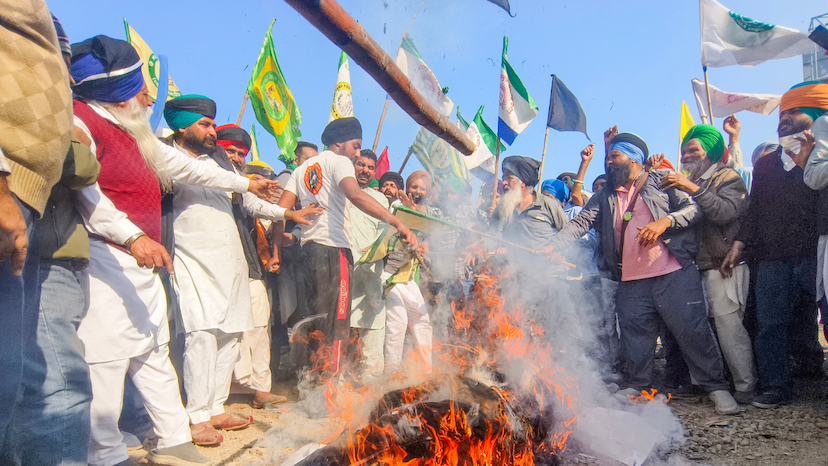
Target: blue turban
[630,150]
[106,70]
[557,188]
[187,109]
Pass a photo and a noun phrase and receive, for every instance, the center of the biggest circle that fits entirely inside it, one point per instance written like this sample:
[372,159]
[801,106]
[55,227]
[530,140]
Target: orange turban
[806,96]
[416,176]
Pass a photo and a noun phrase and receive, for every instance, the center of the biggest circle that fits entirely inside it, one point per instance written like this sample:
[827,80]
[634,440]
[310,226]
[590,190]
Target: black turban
[233,135]
[185,110]
[341,130]
[525,168]
[392,176]
[634,140]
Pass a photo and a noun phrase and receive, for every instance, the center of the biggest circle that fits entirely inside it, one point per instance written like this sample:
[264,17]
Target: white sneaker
[724,402]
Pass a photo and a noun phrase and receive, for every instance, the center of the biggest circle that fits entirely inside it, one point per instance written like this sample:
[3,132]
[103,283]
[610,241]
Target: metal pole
[497,170]
[405,161]
[543,157]
[241,113]
[709,101]
[379,127]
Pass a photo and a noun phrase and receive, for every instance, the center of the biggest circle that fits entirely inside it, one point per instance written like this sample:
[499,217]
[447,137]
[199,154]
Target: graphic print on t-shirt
[313,178]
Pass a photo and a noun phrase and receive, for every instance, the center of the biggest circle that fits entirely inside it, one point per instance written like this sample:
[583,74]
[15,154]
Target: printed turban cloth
[233,135]
[419,174]
[341,130]
[106,70]
[557,188]
[630,145]
[525,168]
[63,39]
[811,97]
[187,109]
[710,139]
[392,176]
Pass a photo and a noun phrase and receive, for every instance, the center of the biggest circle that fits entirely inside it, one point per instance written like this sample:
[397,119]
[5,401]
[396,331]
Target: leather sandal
[232,423]
[267,400]
[206,436]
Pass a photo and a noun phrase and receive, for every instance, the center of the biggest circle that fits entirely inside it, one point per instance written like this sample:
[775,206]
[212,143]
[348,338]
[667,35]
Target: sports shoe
[744,398]
[724,402]
[185,454]
[771,399]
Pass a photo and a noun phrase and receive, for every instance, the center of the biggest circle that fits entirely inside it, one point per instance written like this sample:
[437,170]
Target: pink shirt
[639,262]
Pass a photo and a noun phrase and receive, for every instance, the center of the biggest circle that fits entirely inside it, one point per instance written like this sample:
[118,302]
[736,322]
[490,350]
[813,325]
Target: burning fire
[494,396]
[649,395]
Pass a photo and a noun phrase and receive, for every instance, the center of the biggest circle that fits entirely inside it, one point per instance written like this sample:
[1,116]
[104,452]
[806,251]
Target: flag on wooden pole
[343,104]
[151,68]
[439,158]
[481,161]
[382,164]
[421,77]
[565,112]
[517,108]
[728,103]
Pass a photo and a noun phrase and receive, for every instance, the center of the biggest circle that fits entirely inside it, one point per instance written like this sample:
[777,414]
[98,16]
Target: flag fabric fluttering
[151,67]
[382,164]
[517,108]
[728,38]
[565,112]
[272,101]
[728,103]
[254,146]
[439,158]
[481,161]
[686,121]
[416,221]
[343,104]
[503,4]
[421,77]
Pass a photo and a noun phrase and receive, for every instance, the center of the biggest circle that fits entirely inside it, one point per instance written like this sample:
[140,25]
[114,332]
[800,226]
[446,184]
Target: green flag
[439,158]
[272,101]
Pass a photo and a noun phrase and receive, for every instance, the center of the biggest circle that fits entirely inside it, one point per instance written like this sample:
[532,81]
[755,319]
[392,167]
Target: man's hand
[679,181]
[14,238]
[265,189]
[406,200]
[298,216]
[150,254]
[807,145]
[652,231]
[732,259]
[732,126]
[587,154]
[608,135]
[408,237]
[654,162]
[274,265]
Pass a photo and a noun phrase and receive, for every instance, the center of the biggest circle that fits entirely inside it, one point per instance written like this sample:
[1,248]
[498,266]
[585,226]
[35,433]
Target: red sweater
[125,178]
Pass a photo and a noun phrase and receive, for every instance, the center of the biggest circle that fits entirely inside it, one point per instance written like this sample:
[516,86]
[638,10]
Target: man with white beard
[722,197]
[125,331]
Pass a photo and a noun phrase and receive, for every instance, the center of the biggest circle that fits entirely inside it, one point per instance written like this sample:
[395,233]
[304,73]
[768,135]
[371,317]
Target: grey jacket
[599,213]
[723,199]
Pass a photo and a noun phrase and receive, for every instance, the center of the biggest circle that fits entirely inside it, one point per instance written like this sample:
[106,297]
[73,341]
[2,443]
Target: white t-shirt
[317,181]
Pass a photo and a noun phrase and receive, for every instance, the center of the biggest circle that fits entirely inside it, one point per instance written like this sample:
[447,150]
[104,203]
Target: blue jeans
[19,297]
[778,284]
[51,426]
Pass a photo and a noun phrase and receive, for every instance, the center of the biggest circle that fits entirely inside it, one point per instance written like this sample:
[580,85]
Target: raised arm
[578,182]
[370,206]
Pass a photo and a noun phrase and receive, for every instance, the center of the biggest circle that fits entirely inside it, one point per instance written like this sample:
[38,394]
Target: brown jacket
[723,199]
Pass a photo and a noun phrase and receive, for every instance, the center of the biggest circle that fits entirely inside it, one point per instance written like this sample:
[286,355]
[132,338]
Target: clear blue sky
[629,63]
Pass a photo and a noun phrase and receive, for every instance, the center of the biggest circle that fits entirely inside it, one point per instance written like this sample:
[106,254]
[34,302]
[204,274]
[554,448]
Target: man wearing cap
[783,225]
[648,239]
[329,180]
[125,330]
[368,310]
[722,197]
[215,254]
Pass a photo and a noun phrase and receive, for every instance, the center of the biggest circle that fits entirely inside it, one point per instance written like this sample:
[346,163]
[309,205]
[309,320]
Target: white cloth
[367,310]
[405,309]
[156,381]
[209,358]
[373,341]
[317,181]
[253,368]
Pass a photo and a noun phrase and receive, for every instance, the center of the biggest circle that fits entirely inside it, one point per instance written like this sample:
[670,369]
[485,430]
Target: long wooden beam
[344,31]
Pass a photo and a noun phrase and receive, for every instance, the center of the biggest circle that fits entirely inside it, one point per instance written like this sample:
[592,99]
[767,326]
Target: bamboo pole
[709,101]
[497,171]
[543,157]
[379,127]
[405,160]
[241,113]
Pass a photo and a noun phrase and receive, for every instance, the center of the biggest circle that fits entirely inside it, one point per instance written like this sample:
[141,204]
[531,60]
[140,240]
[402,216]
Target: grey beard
[696,168]
[508,205]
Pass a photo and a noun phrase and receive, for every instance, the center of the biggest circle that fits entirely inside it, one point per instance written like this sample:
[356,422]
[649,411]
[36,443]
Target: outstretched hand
[265,189]
[649,234]
[300,216]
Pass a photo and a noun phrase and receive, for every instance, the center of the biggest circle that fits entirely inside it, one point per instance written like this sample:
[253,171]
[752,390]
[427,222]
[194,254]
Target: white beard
[134,119]
[696,168]
[508,204]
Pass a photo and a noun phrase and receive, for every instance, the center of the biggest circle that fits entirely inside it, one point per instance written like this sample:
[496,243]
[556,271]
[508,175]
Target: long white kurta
[211,272]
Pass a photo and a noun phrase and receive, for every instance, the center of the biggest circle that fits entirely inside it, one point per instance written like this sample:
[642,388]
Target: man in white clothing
[212,282]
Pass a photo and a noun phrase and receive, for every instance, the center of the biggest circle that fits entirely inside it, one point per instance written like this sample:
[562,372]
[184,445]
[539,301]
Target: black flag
[565,113]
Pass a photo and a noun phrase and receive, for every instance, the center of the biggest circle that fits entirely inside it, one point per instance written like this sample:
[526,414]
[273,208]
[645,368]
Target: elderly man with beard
[125,331]
[329,180]
[723,199]
[368,310]
[783,225]
[649,243]
[215,254]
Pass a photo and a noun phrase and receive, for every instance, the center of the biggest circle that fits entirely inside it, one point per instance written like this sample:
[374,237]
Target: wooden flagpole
[405,161]
[709,101]
[543,157]
[497,171]
[379,127]
[241,113]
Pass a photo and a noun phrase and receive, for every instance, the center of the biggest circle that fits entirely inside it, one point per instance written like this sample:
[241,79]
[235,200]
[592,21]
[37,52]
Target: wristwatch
[131,239]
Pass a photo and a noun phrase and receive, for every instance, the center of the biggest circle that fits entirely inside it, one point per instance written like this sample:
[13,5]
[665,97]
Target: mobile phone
[820,37]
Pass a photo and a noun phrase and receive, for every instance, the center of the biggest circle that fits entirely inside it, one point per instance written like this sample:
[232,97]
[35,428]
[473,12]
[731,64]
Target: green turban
[185,110]
[710,139]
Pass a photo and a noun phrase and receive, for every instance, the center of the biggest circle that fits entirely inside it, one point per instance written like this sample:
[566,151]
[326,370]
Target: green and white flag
[343,105]
[421,77]
[728,38]
[484,140]
[517,108]
[439,158]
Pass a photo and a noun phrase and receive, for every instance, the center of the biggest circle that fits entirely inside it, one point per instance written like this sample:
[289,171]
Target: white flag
[728,38]
[482,136]
[420,75]
[343,104]
[728,103]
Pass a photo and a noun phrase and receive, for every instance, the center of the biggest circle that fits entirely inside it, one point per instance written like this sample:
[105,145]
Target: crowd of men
[169,269]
